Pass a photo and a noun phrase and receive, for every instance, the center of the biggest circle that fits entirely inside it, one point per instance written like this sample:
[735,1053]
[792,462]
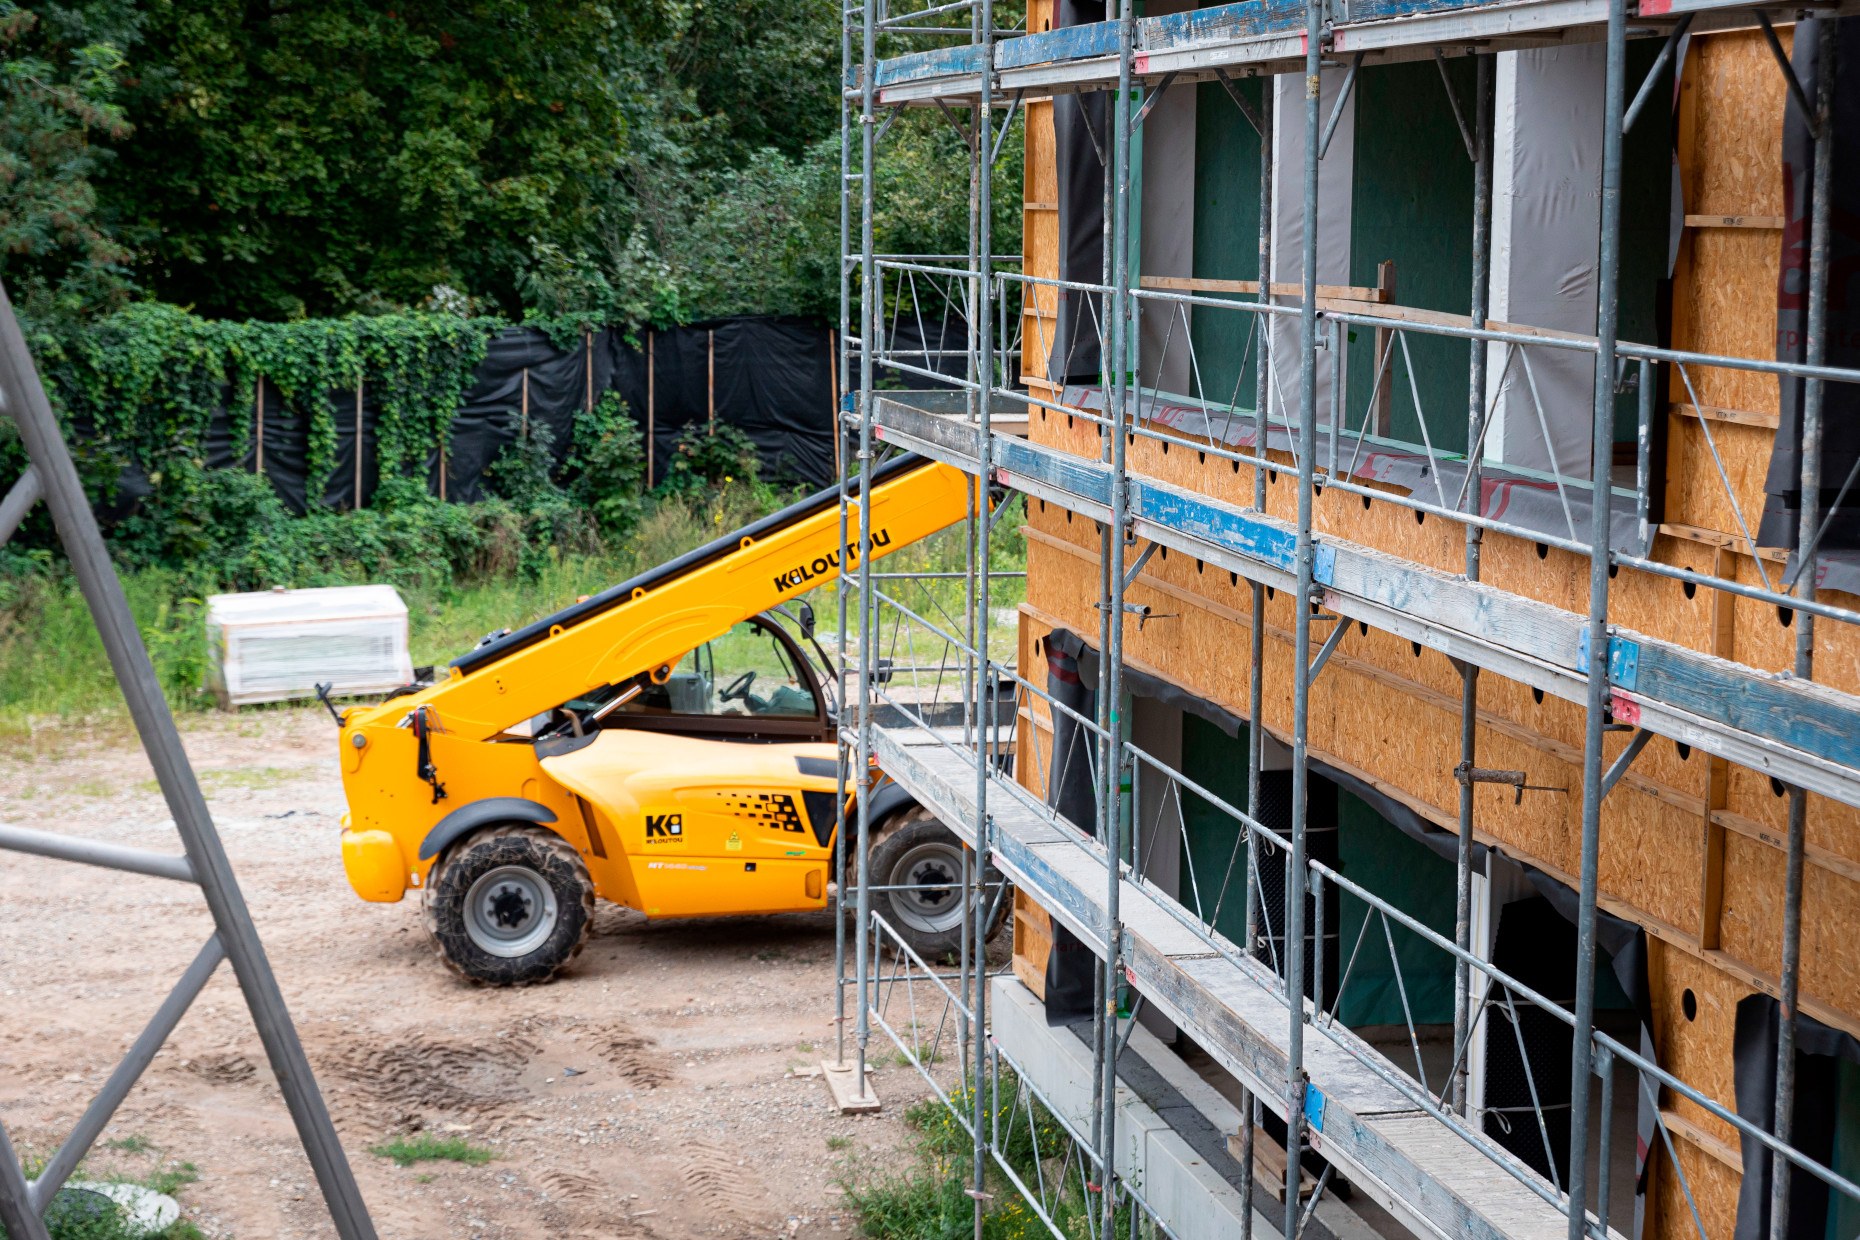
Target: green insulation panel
[1413,202]
[1226,240]
[1376,855]
[1213,875]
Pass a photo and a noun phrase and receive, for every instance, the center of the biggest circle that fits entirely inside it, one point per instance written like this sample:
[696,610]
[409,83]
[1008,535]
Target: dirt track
[647,1095]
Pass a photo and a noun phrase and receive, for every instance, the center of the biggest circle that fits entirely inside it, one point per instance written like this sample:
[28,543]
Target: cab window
[746,672]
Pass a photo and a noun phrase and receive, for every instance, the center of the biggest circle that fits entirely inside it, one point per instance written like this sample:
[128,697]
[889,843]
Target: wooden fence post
[710,376]
[650,336]
[358,442]
[587,344]
[258,465]
[833,369]
[523,425]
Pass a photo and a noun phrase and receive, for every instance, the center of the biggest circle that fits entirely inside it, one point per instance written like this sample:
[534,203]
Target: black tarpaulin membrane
[1081,145]
[1819,1053]
[773,380]
[1840,438]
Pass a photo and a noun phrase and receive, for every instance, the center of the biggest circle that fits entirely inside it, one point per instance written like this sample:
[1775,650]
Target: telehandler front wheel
[919,863]
[509,905]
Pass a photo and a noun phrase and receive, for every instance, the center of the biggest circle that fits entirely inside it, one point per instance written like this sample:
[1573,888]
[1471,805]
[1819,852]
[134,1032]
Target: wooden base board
[1269,1166]
[848,1098]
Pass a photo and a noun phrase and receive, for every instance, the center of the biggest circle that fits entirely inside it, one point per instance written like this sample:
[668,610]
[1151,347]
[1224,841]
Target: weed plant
[930,1200]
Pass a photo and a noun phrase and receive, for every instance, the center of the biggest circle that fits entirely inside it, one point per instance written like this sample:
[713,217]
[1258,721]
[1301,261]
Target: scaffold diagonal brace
[18,502]
[1653,74]
[1327,649]
[1007,123]
[1162,88]
[1343,98]
[1240,101]
[1619,767]
[141,1054]
[1797,95]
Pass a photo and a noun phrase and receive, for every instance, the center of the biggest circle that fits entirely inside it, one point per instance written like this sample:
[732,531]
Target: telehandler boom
[666,744]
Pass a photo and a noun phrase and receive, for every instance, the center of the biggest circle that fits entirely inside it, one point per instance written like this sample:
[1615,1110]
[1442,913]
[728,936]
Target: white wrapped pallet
[281,644]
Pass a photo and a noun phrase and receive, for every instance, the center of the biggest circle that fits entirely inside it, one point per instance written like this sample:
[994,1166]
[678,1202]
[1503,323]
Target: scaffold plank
[1804,734]
[1435,1180]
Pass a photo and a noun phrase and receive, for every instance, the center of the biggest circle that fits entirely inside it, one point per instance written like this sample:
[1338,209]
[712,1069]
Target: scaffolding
[1382,1124]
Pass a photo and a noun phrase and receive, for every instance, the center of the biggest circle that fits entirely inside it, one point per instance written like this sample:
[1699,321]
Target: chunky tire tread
[536,848]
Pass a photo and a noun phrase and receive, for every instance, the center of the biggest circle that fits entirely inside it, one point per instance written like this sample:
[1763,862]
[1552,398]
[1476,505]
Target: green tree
[59,111]
[314,158]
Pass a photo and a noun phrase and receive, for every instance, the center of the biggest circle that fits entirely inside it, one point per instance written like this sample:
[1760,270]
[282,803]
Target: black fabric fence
[770,378]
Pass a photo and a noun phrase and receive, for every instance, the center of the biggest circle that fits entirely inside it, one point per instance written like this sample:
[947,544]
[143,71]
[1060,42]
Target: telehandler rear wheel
[921,860]
[509,905]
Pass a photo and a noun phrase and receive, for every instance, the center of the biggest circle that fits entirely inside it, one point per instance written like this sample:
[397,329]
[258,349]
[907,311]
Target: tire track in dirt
[400,1084]
[722,1180]
[633,1055]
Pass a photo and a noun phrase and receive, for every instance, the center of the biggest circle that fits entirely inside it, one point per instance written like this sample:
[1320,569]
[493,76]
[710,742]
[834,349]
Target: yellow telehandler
[667,744]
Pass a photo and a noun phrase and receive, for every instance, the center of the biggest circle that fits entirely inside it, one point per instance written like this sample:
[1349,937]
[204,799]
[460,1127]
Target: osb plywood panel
[1039,226]
[1736,166]
[1660,605]
[1532,569]
[1837,648]
[1729,281]
[1695,493]
[1650,857]
[1752,921]
[1696,1050]
[1832,827]
[1764,640]
[1714,1190]
[1041,173]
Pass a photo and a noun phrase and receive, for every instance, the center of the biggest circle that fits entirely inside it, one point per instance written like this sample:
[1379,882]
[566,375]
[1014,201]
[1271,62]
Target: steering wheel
[738,689]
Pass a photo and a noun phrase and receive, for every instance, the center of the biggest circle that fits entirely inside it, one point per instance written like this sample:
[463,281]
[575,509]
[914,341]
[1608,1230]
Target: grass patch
[76,1216]
[53,670]
[406,1151]
[170,1179]
[839,1143]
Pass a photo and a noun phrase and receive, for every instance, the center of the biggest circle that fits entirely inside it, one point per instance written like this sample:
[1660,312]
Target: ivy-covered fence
[247,455]
[327,410]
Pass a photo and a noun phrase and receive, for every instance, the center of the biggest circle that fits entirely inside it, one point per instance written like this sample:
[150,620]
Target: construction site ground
[662,1089]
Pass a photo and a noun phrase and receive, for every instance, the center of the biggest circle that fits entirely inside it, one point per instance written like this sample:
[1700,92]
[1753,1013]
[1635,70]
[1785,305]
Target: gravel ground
[651,1093]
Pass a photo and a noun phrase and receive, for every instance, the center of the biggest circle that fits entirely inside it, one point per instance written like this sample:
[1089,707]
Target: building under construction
[1425,760]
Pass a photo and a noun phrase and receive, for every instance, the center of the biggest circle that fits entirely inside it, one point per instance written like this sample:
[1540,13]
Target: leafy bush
[706,459]
[606,468]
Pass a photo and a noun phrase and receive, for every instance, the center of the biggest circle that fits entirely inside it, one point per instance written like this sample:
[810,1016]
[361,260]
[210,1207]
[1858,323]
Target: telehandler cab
[667,744]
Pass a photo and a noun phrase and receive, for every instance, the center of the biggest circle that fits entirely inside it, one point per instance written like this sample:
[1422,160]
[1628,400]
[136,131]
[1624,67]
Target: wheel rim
[933,874]
[510,911]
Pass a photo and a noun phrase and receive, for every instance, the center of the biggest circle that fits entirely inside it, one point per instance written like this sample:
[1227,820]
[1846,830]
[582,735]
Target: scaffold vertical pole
[868,282]
[1110,678]
[983,350]
[1601,463]
[1256,736]
[1463,1016]
[1294,922]
[1815,349]
[842,769]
